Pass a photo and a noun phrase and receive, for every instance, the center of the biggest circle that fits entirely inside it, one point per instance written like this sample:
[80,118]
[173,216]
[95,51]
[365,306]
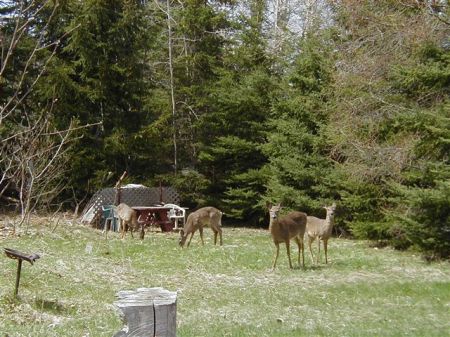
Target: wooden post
[19,256]
[19,268]
[147,312]
[118,187]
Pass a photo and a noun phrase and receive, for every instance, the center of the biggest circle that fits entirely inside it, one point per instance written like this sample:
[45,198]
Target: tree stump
[147,312]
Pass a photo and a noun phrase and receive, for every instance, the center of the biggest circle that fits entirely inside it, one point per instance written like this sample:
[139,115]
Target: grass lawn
[222,291]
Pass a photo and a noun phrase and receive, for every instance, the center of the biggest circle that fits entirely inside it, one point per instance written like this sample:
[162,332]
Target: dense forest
[234,103]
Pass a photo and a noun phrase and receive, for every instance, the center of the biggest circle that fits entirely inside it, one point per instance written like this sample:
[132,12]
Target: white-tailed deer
[206,216]
[320,229]
[290,226]
[127,219]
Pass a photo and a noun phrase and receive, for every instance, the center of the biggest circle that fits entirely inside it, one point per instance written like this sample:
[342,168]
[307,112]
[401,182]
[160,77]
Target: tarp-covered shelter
[132,195]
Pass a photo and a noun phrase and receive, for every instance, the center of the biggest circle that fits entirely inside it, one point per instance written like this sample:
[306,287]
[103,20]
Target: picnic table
[164,216]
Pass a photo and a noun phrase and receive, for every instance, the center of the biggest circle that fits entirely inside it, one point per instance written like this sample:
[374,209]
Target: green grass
[222,291]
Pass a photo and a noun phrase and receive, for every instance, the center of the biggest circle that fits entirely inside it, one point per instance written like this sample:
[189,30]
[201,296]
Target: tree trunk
[147,312]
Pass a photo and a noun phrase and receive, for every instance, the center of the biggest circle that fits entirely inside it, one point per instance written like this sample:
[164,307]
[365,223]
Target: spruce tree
[105,82]
[231,133]
[299,169]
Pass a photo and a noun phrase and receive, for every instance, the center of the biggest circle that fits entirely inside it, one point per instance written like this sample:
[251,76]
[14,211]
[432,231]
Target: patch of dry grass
[222,291]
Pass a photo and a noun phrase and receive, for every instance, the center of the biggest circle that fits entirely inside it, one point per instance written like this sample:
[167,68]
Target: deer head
[273,210]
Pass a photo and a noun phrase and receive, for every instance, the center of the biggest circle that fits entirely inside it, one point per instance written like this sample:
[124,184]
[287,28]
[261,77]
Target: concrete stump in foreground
[147,312]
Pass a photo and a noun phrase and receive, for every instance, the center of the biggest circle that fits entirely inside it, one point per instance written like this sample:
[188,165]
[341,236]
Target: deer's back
[205,216]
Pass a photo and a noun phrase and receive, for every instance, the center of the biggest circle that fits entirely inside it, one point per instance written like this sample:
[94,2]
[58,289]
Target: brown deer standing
[320,229]
[127,219]
[290,226]
[206,216]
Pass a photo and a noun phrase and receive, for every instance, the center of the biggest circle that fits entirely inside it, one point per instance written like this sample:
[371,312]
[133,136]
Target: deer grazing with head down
[283,229]
[320,229]
[127,218]
[206,216]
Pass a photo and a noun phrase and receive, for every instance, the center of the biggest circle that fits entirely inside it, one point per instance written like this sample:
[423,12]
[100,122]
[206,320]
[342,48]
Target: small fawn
[127,218]
[206,216]
[290,226]
[320,229]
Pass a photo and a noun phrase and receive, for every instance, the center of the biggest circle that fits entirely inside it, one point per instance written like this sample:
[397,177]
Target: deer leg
[119,227]
[122,228]
[325,247]
[288,249]
[301,250]
[215,236]
[219,230]
[142,233]
[318,250]
[276,255]
[310,241]
[201,235]
[190,239]
[131,230]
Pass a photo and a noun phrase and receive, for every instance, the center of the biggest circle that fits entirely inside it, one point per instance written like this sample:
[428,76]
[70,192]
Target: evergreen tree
[299,169]
[231,133]
[103,80]
[197,43]
[421,212]
[192,47]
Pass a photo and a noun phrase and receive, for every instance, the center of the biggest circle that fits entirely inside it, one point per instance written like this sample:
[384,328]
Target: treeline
[234,103]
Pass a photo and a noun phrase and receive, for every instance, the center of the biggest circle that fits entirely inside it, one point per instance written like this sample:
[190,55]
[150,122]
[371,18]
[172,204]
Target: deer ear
[279,204]
[268,204]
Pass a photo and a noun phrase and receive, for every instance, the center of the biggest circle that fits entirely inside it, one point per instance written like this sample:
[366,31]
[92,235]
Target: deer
[205,216]
[320,229]
[127,218]
[283,229]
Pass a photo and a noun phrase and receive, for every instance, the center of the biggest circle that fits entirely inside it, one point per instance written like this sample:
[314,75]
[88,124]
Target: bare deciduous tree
[383,38]
[33,152]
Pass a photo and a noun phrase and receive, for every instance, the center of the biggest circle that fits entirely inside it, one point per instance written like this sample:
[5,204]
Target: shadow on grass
[315,267]
[10,300]
[53,306]
[309,268]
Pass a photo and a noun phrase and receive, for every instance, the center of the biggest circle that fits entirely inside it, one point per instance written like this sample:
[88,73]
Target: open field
[222,291]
